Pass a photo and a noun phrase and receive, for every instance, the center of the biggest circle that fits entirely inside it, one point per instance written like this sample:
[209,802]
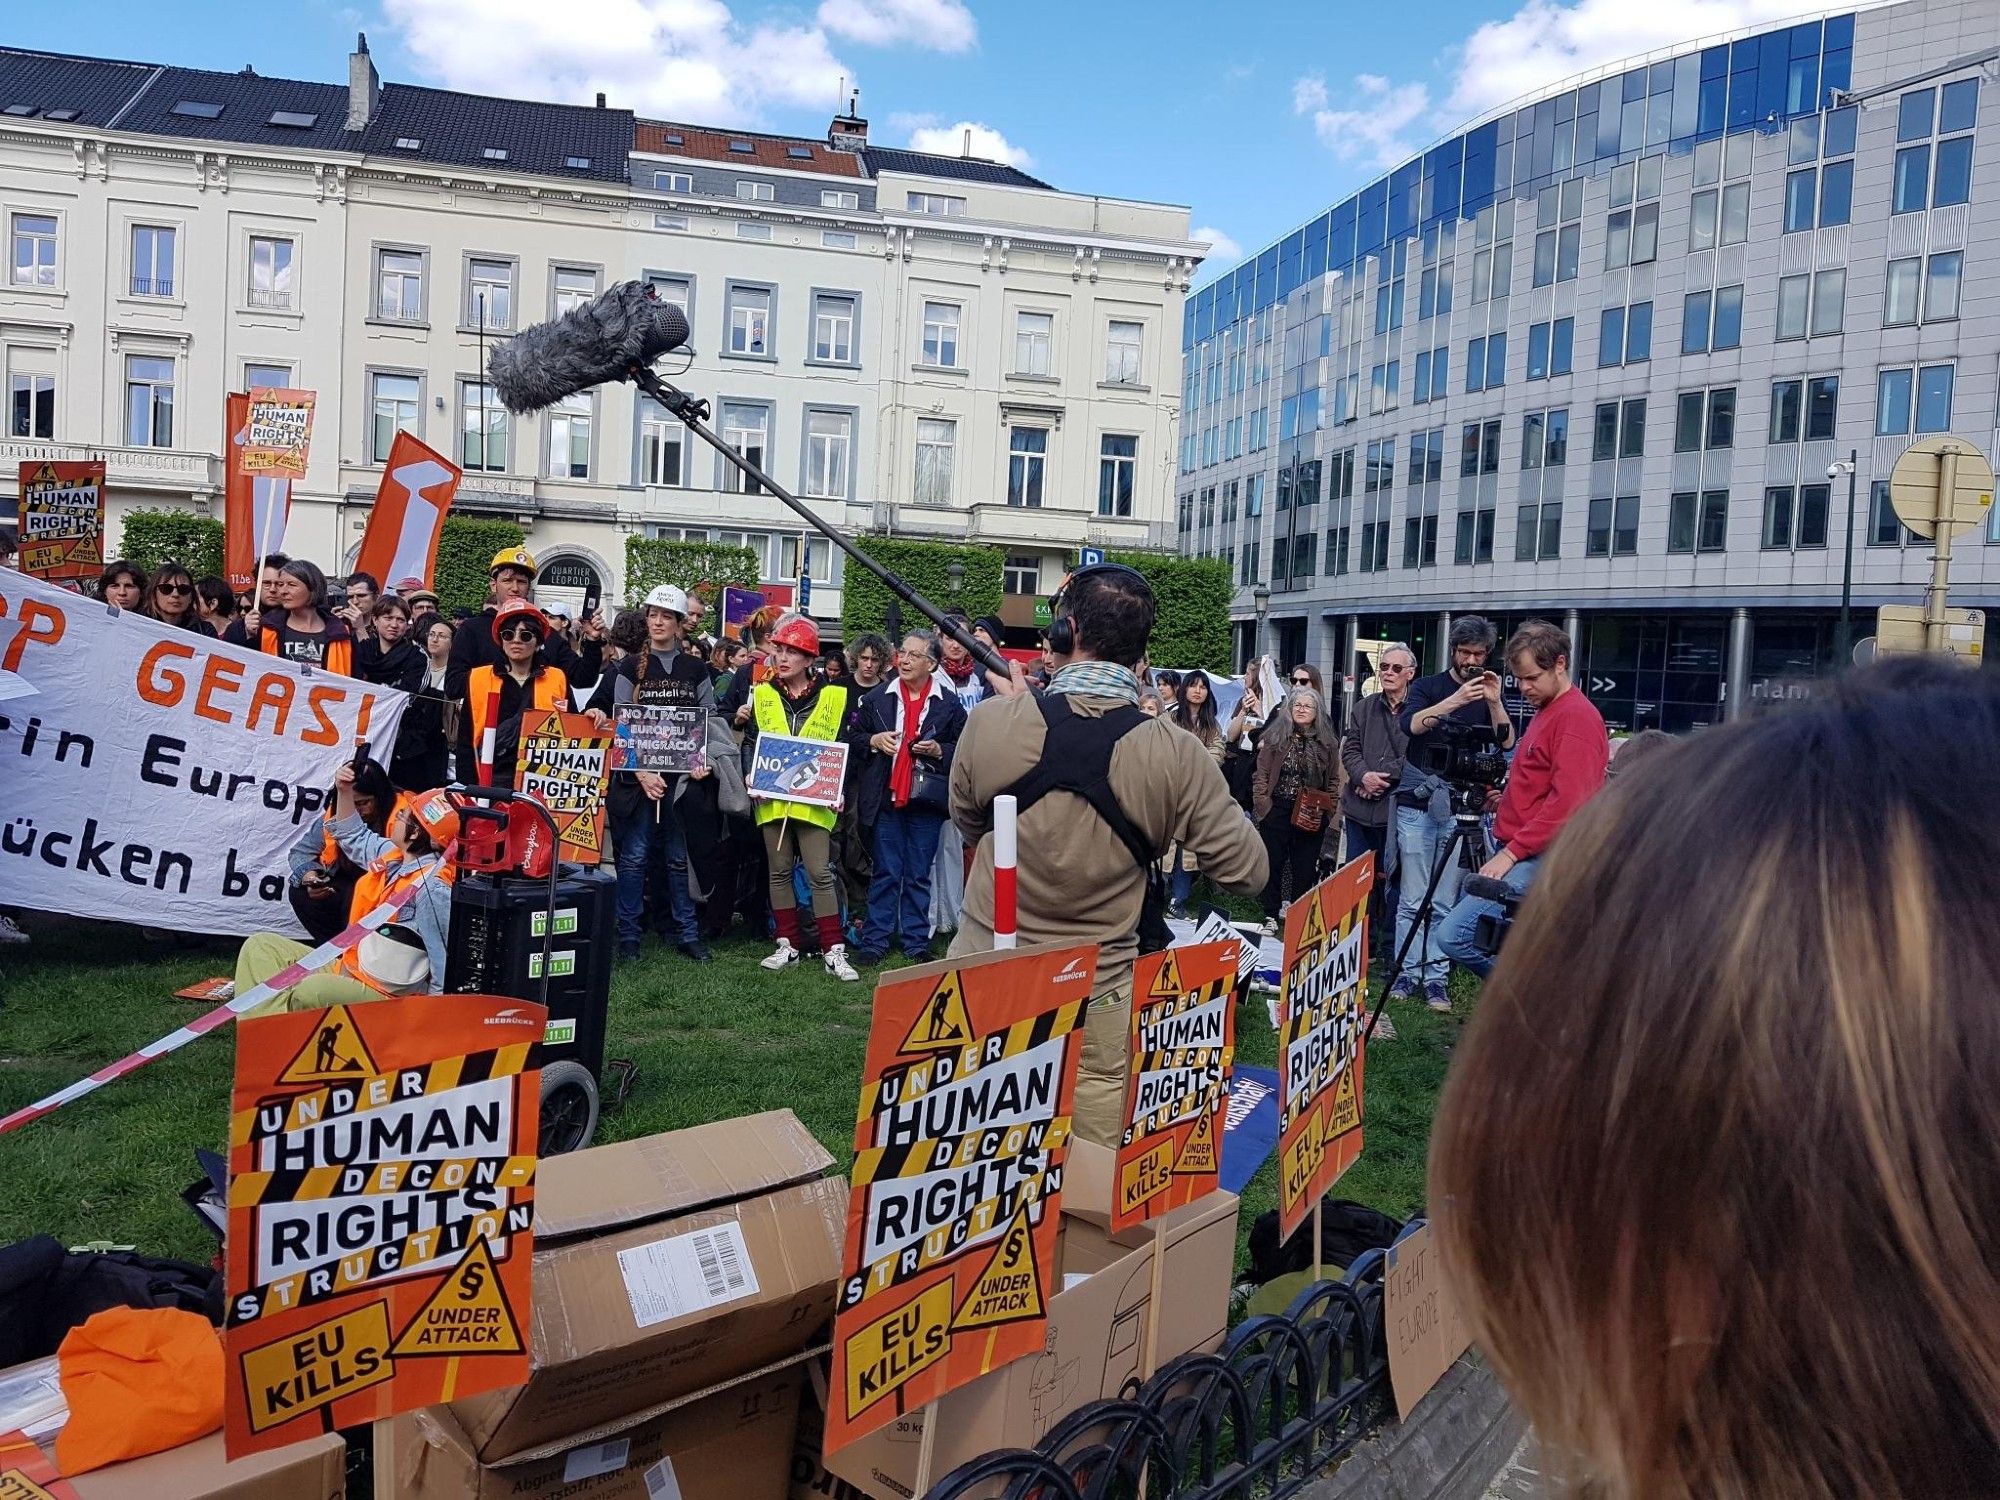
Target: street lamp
[1260,596]
[954,573]
[1843,649]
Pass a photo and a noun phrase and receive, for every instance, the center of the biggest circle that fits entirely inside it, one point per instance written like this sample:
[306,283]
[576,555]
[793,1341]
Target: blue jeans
[1419,838]
[1180,879]
[899,894]
[1459,925]
[659,845]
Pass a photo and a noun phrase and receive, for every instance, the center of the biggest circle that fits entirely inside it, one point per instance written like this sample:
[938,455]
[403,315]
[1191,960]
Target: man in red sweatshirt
[1558,767]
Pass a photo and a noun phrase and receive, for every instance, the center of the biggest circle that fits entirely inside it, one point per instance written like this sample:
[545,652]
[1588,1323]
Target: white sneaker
[785,956]
[838,966]
[1270,927]
[10,930]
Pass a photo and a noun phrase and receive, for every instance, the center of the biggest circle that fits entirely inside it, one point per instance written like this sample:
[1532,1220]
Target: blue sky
[1255,116]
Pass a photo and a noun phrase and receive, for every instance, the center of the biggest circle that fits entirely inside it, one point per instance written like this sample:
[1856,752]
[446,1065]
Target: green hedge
[698,568]
[864,602]
[152,537]
[1193,596]
[465,557]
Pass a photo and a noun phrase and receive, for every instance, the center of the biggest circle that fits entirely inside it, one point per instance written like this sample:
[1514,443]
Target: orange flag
[400,546]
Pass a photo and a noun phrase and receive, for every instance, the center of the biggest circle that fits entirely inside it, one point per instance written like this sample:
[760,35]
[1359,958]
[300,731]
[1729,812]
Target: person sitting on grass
[403,957]
[321,879]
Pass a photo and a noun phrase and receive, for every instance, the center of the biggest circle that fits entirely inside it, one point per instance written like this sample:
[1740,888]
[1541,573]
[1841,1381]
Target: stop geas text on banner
[381,1212]
[1183,1048]
[960,1144]
[158,777]
[1322,1010]
[62,519]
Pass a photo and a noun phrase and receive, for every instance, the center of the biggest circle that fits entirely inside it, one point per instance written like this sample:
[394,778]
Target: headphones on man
[1062,629]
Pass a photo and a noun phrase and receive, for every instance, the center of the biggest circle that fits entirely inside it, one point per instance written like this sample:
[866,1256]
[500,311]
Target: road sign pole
[1843,649]
[1934,601]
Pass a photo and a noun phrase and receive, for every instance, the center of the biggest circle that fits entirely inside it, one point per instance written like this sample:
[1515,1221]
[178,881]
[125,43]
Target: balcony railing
[155,286]
[270,297]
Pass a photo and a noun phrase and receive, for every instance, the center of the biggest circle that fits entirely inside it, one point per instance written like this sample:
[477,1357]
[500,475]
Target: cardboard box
[664,1268]
[733,1445]
[315,1469]
[1096,1332]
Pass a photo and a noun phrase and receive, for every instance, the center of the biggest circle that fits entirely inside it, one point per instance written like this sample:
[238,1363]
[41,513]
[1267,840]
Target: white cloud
[949,140]
[1543,43]
[940,25]
[1374,130]
[696,60]
[1222,250]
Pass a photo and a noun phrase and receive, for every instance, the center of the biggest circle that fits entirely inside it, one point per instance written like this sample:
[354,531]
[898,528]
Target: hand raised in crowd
[593,628]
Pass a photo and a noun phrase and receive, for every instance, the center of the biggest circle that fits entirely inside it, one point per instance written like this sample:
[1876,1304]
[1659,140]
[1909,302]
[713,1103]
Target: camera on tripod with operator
[1468,759]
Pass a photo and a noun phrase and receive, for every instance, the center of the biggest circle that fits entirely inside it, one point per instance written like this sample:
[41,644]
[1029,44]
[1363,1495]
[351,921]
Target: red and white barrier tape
[322,957]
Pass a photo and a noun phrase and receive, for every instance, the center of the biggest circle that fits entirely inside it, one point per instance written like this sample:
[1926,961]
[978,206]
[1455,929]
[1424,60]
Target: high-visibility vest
[339,654]
[823,723]
[386,880]
[548,689]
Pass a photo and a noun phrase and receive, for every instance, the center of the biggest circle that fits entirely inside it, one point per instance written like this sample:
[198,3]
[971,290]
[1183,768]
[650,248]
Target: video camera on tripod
[1467,758]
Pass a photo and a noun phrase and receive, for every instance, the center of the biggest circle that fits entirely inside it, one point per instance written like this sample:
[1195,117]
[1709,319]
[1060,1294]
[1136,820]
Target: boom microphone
[604,340]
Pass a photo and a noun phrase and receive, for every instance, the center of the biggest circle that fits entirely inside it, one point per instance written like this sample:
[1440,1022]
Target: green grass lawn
[710,1043]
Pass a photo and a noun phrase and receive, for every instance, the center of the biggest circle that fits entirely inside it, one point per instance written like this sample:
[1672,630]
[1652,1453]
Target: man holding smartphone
[1466,692]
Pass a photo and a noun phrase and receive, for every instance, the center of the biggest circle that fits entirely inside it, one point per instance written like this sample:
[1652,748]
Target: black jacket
[943,721]
[680,683]
[472,645]
[401,666]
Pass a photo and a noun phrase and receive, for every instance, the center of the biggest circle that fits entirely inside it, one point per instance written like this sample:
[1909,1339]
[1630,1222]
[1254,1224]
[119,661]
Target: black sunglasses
[176,588]
[520,632]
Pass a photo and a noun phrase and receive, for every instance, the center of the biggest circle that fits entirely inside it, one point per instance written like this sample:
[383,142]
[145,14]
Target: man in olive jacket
[1077,881]
[1372,752]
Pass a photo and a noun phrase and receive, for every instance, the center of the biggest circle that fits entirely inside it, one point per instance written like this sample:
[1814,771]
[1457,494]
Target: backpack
[45,1291]
[1076,758]
[1346,1230]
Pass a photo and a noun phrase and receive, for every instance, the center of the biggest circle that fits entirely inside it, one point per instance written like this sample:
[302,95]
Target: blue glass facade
[1759,82]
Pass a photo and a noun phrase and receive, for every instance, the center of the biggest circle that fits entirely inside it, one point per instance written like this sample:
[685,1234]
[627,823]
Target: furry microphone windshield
[587,346]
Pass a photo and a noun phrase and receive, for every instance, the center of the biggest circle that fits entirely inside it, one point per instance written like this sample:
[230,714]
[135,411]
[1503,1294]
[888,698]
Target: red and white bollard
[1005,902]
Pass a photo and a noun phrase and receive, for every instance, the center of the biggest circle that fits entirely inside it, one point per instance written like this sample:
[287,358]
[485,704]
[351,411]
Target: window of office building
[746,428]
[1719,211]
[149,401]
[1933,162]
[941,334]
[1819,190]
[1625,335]
[394,406]
[31,395]
[1613,527]
[1923,288]
[1558,232]
[750,321]
[1632,227]
[829,447]
[1122,348]
[1712,320]
[34,247]
[1705,419]
[1538,530]
[1550,348]
[1795,516]
[937,451]
[663,448]
[1619,429]
[1922,394]
[1027,464]
[152,260]
[1545,439]
[1486,362]
[490,294]
[270,271]
[1698,521]
[399,286]
[569,437]
[482,426]
[1117,468]
[1034,342]
[833,327]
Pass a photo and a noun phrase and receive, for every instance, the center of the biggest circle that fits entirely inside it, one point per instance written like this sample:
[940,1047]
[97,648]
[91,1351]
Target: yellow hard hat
[513,557]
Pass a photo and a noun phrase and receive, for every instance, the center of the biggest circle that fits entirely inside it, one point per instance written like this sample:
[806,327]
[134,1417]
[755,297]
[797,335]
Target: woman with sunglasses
[1299,753]
[1372,753]
[171,600]
[497,697]
[122,584]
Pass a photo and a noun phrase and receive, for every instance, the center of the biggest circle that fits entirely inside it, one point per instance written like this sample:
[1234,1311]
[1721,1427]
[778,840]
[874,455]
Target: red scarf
[961,673]
[903,770]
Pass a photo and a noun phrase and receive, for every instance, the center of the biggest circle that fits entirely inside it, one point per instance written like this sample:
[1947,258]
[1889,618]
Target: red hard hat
[798,632]
[515,609]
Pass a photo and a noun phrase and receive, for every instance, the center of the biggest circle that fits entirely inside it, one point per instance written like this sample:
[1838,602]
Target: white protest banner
[159,777]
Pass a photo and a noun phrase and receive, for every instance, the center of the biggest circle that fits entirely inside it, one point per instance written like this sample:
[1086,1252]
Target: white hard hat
[667,597]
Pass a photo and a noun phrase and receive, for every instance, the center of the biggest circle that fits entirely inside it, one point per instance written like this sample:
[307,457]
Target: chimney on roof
[600,101]
[364,88]
[848,132]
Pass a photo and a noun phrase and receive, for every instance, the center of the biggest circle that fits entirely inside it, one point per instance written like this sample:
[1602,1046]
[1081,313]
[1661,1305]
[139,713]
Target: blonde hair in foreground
[1717,1168]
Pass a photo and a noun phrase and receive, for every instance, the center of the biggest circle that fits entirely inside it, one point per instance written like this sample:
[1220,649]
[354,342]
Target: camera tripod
[1467,842]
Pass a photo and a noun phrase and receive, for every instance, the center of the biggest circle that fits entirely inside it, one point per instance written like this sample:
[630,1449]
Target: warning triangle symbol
[467,1314]
[1198,1152]
[944,1024]
[1167,983]
[334,1051]
[1312,932]
[1009,1290]
[46,474]
[1346,1112]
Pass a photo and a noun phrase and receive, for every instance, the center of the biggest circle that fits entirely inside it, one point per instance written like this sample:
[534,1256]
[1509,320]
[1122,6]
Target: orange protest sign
[256,507]
[1322,1007]
[1183,1050]
[381,1212]
[564,763]
[961,1139]
[62,519]
[400,545]
[278,432]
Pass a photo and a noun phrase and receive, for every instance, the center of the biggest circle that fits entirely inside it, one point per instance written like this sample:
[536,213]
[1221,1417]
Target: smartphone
[360,756]
[592,593]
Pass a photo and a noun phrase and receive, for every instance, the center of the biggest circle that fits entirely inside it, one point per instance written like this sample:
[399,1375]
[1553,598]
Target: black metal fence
[1284,1397]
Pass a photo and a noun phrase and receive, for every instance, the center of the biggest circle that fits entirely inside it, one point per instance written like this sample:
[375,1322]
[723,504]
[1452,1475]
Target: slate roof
[95,88]
[539,139]
[248,101]
[703,144]
[882,159]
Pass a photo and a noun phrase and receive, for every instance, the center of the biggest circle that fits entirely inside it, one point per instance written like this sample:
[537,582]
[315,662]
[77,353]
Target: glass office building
[1593,357]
